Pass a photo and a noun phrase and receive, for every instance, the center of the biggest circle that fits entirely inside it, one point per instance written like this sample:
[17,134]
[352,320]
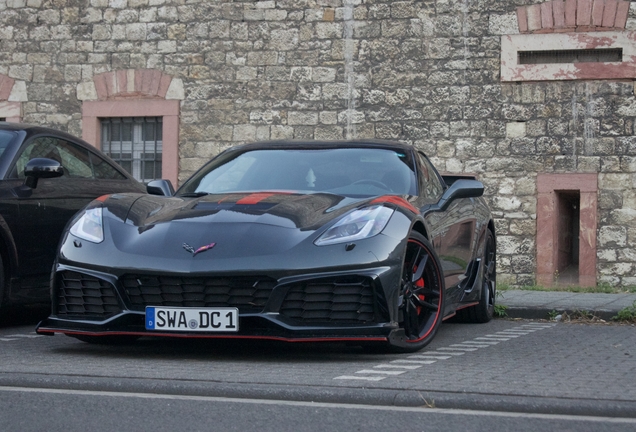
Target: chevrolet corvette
[355,241]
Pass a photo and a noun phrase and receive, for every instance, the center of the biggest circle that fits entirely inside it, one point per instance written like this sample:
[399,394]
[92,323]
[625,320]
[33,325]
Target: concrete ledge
[337,395]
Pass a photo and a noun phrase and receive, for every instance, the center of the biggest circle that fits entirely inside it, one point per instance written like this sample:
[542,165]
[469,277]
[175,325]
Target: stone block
[281,132]
[612,236]
[262,58]
[503,24]
[302,118]
[328,133]
[246,132]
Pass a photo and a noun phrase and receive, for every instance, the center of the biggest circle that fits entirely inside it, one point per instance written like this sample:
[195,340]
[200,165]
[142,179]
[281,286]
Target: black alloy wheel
[2,289]
[421,298]
[485,309]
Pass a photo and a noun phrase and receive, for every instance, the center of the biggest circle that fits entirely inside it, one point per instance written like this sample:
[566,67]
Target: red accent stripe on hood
[255,198]
[399,201]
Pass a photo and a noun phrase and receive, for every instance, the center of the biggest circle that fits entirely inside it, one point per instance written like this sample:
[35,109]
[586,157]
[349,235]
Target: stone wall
[426,72]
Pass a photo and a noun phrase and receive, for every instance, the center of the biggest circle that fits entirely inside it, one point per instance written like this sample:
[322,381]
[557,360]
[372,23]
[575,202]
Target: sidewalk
[539,304]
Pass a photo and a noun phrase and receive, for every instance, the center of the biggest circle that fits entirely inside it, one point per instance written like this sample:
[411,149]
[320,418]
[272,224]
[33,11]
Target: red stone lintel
[547,20]
[597,12]
[582,15]
[609,13]
[522,19]
[558,10]
[622,11]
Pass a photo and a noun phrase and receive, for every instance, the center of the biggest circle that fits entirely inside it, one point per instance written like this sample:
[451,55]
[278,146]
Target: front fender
[7,245]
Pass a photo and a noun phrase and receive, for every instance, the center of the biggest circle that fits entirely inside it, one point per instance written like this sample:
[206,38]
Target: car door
[452,230]
[45,210]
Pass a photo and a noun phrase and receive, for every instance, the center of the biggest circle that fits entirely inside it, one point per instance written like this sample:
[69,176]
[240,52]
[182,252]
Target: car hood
[305,212]
[237,224]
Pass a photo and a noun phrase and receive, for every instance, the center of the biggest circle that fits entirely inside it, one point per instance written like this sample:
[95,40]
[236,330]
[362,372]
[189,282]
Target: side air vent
[85,295]
[342,300]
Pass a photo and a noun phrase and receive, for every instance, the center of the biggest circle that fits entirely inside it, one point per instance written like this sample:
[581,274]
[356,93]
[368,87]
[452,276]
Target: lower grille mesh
[246,293]
[84,295]
[330,300]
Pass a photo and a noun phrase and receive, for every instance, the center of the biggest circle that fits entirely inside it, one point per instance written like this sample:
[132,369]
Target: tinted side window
[74,159]
[42,147]
[432,188]
[104,170]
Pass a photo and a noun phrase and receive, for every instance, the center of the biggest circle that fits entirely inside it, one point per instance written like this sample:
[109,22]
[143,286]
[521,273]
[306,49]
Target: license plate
[192,319]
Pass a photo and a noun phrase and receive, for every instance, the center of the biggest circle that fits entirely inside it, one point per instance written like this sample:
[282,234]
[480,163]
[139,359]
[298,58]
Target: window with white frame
[135,143]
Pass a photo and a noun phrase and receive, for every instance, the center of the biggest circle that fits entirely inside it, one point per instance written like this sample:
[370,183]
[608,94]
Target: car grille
[330,300]
[84,295]
[245,293]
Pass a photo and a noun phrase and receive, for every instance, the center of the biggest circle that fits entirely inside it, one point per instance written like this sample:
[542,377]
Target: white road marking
[360,378]
[436,357]
[444,353]
[450,348]
[498,339]
[506,333]
[484,343]
[473,347]
[397,366]
[370,371]
[539,326]
[415,361]
[7,340]
[453,353]
[28,336]
[446,411]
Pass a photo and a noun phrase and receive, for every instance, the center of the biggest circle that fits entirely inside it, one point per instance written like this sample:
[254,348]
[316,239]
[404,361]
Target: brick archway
[10,110]
[132,83]
[558,16]
[134,93]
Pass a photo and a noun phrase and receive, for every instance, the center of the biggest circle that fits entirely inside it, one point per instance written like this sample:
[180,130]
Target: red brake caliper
[420,284]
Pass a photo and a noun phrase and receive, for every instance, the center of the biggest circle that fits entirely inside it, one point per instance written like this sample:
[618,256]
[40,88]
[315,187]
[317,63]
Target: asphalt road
[504,375]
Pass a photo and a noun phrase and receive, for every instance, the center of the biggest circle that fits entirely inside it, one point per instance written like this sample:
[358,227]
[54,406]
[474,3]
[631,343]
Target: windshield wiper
[193,194]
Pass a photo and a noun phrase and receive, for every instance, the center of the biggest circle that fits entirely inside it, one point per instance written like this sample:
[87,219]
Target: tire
[421,297]
[106,340]
[485,309]
[3,300]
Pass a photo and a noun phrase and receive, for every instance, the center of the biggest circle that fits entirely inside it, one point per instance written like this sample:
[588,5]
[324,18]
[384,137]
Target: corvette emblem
[196,251]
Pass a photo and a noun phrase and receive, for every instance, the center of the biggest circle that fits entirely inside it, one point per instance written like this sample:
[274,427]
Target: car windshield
[342,171]
[5,139]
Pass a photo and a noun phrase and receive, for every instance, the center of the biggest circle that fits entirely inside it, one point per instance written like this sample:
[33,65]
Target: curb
[544,313]
[335,395]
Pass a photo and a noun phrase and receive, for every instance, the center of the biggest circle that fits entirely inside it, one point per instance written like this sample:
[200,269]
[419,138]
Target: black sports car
[299,241]
[46,176]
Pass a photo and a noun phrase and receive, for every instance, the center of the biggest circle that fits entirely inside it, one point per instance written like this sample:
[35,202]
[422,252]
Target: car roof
[31,130]
[324,144]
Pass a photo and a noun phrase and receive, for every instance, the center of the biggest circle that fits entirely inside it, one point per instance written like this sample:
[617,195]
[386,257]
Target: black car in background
[357,241]
[46,176]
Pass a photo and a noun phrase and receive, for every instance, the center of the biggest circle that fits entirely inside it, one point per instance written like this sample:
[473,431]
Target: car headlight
[89,226]
[357,225]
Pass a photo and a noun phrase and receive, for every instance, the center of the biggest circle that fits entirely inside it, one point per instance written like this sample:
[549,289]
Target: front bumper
[348,305]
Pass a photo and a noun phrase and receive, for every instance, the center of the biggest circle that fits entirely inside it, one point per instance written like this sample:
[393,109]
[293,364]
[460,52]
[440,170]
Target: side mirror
[41,168]
[160,187]
[461,188]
